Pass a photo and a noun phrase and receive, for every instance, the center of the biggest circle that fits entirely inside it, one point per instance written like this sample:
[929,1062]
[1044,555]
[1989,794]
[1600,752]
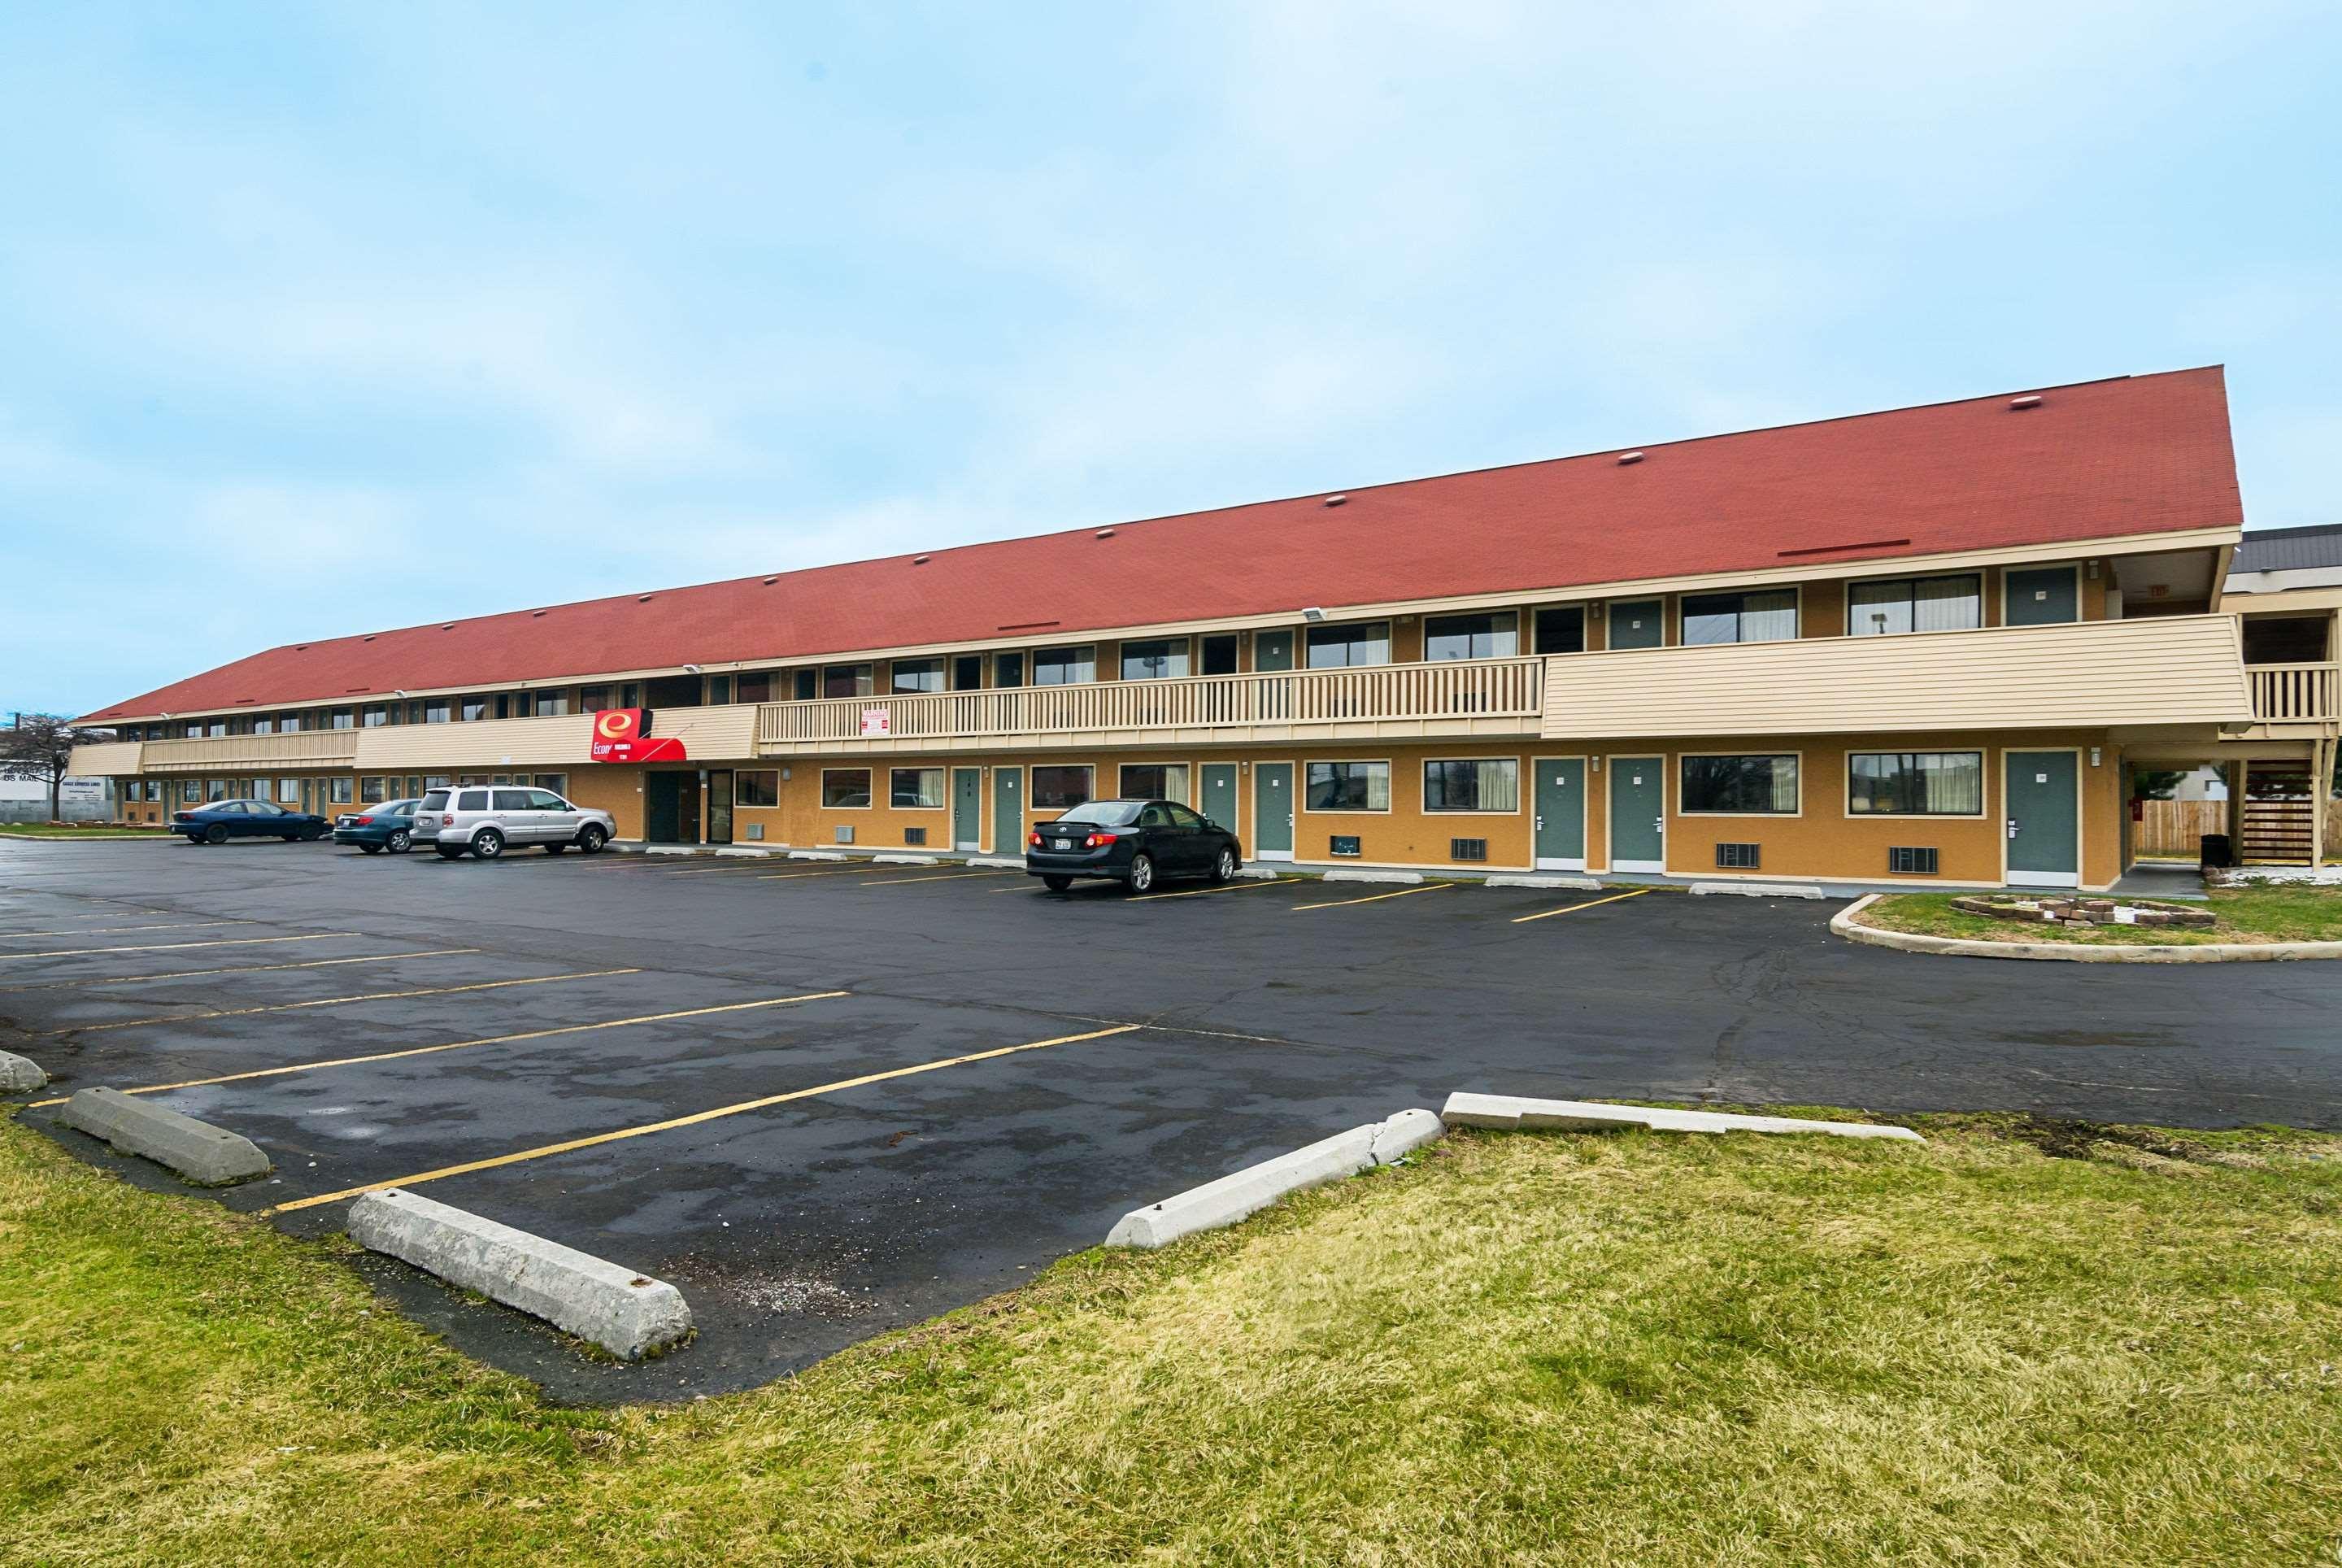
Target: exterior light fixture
[1312,612]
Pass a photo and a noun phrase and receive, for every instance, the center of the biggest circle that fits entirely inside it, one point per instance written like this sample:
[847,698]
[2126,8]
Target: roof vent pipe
[2031,400]
[1102,534]
[1335,500]
[1626,457]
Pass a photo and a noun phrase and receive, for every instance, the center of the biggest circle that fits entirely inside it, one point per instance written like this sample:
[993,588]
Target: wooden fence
[2172,828]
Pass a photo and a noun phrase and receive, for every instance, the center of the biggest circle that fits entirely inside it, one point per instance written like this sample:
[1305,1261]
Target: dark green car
[374,829]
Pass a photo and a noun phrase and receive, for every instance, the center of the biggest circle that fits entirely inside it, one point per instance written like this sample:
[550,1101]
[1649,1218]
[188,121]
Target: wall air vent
[1912,860]
[1343,844]
[1468,848]
[914,835]
[2031,400]
[1736,857]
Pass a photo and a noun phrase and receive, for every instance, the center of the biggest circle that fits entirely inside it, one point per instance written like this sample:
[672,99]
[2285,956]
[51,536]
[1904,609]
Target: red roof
[2135,455]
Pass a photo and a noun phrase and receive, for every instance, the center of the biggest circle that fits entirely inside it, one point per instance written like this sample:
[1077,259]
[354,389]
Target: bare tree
[39,746]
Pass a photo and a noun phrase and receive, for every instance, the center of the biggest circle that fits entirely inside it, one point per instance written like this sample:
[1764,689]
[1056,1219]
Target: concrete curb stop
[1259,873]
[904,860]
[670,849]
[1843,924]
[1510,1112]
[1759,890]
[1583,884]
[206,1155]
[1232,1198]
[628,1314]
[1000,862]
[815,855]
[748,853]
[1348,874]
[19,1074]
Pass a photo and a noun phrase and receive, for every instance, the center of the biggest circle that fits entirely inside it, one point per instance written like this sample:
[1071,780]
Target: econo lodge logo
[624,735]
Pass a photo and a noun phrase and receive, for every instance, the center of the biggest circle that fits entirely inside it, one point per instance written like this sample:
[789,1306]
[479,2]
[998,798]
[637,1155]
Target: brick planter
[2082,913]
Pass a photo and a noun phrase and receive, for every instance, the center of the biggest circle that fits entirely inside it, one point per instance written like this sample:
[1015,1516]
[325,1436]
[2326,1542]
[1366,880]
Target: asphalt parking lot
[827,1099]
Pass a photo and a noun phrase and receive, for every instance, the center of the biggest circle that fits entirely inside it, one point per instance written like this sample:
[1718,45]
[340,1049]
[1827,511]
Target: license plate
[346,822]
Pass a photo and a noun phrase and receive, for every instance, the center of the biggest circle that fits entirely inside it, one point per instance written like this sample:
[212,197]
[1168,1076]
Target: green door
[1561,814]
[1272,650]
[1008,810]
[663,808]
[1272,811]
[1639,623]
[967,808]
[1638,805]
[2045,819]
[1219,799]
[2042,596]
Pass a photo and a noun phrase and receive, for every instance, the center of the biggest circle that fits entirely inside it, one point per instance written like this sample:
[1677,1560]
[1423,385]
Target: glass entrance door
[719,806]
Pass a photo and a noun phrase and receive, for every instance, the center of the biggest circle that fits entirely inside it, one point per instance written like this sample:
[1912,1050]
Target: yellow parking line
[1223,887]
[236,970]
[119,930]
[339,1001]
[1374,898]
[463,1044]
[1573,908]
[947,877]
[166,947]
[669,1125]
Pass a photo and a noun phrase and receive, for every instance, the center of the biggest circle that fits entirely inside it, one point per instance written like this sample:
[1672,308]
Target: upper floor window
[1154,658]
[1220,654]
[376,716]
[1914,604]
[434,711]
[754,686]
[967,671]
[252,726]
[216,726]
[846,680]
[475,707]
[594,699]
[918,675]
[1064,667]
[1561,628]
[552,703]
[804,683]
[1496,635]
[1770,616]
[288,723]
[343,719]
[1340,647]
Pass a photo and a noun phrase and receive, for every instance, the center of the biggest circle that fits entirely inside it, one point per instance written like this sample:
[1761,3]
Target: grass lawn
[2263,914]
[70,831]
[2020,1342]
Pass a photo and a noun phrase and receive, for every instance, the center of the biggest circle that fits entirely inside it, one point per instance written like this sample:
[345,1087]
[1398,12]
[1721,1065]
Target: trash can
[2213,850]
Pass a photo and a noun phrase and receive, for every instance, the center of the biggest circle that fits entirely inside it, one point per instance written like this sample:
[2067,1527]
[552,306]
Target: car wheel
[1224,869]
[398,843]
[369,848]
[592,839]
[487,843]
[1142,873]
[215,834]
[555,849]
[449,851]
[291,837]
[317,833]
[1056,884]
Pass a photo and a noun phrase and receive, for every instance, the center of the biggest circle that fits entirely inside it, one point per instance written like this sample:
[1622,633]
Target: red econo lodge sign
[624,735]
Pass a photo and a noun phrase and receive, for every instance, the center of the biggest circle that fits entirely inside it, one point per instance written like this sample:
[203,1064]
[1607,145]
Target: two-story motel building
[1926,645]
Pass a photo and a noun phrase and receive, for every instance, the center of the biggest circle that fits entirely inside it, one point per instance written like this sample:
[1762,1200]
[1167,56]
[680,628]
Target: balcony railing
[1458,697]
[2297,693]
[302,748]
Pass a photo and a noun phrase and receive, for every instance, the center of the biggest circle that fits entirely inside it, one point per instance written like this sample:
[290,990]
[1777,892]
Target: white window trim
[739,773]
[1846,796]
[1033,667]
[870,778]
[1301,664]
[1423,783]
[942,804]
[1188,643]
[1491,614]
[1031,805]
[1675,622]
[1195,779]
[1675,779]
[1301,803]
[1984,602]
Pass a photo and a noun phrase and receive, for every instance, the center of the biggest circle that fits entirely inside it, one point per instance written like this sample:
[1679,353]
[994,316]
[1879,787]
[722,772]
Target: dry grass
[2020,1342]
[2262,914]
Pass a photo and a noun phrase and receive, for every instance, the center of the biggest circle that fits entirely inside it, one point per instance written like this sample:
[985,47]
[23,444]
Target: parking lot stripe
[1223,887]
[833,871]
[466,1044]
[119,930]
[340,1000]
[644,1130]
[1573,908]
[1374,898]
[167,947]
[947,877]
[235,969]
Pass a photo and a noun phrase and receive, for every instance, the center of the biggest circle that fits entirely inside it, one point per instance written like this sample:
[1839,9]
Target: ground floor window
[844,789]
[1061,788]
[915,789]
[188,792]
[371,792]
[557,782]
[1915,783]
[1481,784]
[341,788]
[214,788]
[1739,786]
[288,790]
[1348,787]
[437,781]
[757,787]
[1153,781]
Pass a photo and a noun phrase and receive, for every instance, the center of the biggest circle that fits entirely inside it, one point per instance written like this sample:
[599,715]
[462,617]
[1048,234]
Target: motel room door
[1272,811]
[1639,808]
[2043,790]
[671,808]
[1008,810]
[1561,813]
[967,808]
[1219,797]
[719,806]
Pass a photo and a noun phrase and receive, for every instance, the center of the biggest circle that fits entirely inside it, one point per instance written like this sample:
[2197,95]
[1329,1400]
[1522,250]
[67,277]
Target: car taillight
[366,821]
[1098,841]
[1035,840]
[448,820]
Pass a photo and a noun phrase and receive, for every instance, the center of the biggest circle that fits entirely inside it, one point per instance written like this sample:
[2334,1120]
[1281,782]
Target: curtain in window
[1947,604]
[1500,786]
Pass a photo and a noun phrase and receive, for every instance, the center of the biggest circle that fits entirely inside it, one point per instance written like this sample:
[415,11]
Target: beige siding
[220,753]
[565,742]
[2169,670]
[105,760]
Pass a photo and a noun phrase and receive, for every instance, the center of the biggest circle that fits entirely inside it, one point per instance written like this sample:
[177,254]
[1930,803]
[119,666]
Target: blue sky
[582,298]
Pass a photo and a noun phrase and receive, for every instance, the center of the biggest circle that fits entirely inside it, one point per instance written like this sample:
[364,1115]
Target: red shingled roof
[2131,456]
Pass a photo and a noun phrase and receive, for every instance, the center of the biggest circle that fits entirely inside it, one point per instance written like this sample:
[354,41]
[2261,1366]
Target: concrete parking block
[747,852]
[1349,874]
[815,855]
[671,849]
[1547,880]
[1511,1113]
[904,860]
[206,1155]
[998,863]
[20,1075]
[1759,890]
[627,1314]
[1232,1198]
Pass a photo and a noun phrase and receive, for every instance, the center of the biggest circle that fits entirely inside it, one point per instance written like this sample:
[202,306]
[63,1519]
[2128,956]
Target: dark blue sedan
[374,829]
[217,822]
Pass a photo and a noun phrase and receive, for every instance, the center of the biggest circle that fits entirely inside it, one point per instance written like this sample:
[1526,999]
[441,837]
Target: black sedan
[1132,842]
[217,822]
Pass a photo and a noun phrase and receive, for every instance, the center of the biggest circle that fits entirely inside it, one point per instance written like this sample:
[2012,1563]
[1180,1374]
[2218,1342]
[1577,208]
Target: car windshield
[1106,813]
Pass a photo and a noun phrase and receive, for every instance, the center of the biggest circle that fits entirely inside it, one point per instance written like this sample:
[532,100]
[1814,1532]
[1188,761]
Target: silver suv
[488,820]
